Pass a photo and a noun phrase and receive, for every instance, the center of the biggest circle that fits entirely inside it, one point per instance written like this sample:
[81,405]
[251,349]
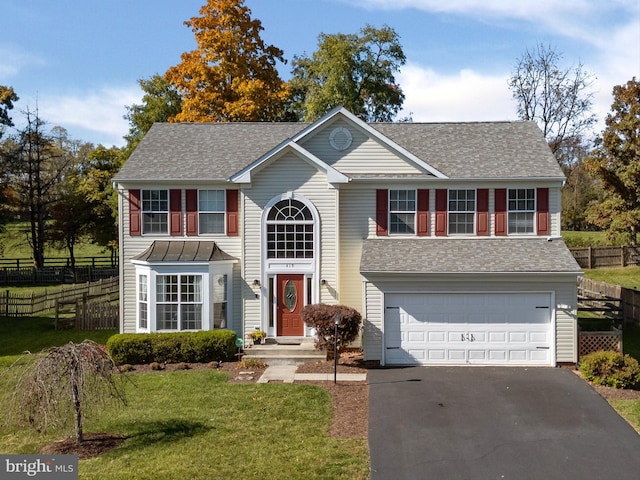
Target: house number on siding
[467,337]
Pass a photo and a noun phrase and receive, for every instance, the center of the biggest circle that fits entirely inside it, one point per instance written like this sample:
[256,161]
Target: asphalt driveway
[495,423]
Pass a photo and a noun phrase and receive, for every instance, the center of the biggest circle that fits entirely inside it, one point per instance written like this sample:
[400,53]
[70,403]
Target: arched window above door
[290,232]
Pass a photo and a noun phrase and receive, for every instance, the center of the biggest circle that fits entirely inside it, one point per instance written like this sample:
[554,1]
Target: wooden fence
[26,304]
[601,296]
[595,257]
[87,313]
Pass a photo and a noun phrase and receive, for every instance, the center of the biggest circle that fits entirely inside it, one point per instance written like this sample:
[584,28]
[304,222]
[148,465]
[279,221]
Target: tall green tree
[558,99]
[231,75]
[35,166]
[616,163]
[356,71]
[160,102]
[100,199]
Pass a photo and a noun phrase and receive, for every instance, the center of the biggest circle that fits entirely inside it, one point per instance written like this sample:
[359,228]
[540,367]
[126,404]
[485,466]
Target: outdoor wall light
[323,282]
[256,283]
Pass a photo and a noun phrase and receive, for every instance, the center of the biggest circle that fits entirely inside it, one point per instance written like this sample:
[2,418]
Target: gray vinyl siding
[364,156]
[132,246]
[563,289]
[289,174]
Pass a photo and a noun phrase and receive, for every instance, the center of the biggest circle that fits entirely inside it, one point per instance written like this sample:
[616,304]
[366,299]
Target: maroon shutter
[135,224]
[191,207]
[175,212]
[441,212]
[423,213]
[542,211]
[482,222]
[232,213]
[382,212]
[501,211]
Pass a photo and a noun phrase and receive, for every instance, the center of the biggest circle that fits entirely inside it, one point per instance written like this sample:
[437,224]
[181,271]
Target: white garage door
[468,328]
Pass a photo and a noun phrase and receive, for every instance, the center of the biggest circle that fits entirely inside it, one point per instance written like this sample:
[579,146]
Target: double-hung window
[462,211]
[179,302]
[211,211]
[155,211]
[402,211]
[143,302]
[521,210]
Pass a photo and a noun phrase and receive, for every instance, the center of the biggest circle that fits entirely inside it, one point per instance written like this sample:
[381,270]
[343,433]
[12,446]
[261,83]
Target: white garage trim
[462,328]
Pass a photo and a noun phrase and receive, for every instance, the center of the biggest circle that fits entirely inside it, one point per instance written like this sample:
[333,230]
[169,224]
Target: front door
[290,295]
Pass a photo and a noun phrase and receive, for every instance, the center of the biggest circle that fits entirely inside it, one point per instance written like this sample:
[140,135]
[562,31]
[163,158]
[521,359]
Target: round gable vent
[340,138]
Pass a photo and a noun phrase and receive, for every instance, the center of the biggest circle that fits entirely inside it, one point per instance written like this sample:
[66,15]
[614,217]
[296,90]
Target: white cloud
[95,116]
[462,97]
[13,60]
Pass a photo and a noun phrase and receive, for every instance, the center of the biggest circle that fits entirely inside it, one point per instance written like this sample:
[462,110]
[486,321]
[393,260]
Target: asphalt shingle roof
[477,150]
[477,255]
[216,151]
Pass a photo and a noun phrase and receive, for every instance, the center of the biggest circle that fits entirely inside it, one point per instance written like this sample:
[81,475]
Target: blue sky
[79,60]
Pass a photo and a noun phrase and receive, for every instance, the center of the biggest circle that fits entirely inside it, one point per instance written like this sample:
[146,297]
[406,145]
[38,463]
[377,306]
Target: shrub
[611,369]
[188,347]
[321,317]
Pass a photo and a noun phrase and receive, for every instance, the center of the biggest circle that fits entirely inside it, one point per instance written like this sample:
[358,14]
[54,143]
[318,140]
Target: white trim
[272,267]
[372,132]
[333,175]
[552,313]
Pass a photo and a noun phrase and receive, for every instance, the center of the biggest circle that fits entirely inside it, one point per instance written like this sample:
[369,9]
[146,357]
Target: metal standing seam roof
[183,251]
[217,151]
[448,255]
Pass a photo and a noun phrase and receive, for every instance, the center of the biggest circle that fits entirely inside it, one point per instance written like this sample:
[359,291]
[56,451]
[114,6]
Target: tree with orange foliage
[231,76]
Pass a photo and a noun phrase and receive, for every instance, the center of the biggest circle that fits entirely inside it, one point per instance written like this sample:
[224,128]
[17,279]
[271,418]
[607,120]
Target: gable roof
[467,256]
[174,152]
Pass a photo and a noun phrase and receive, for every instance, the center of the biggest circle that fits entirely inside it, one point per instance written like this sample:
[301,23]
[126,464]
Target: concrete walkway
[287,374]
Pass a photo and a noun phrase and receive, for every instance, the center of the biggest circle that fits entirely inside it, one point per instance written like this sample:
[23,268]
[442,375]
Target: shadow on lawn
[166,431]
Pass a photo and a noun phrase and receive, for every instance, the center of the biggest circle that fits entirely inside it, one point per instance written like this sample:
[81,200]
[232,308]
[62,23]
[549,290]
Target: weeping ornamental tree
[64,385]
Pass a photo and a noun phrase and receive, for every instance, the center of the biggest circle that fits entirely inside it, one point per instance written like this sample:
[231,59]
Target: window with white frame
[521,209]
[290,230]
[155,211]
[143,302]
[462,211]
[220,301]
[179,302]
[211,211]
[402,211]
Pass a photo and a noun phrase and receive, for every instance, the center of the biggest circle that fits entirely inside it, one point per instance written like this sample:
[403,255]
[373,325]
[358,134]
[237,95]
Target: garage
[490,328]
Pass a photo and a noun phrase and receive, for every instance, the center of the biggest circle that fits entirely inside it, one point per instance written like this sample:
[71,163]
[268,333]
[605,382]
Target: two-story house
[445,236]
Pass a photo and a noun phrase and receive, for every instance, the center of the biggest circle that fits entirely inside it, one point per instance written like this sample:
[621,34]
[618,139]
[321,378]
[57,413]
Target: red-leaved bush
[322,317]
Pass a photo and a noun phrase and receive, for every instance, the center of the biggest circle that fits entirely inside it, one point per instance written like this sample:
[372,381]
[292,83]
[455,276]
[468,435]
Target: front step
[288,352]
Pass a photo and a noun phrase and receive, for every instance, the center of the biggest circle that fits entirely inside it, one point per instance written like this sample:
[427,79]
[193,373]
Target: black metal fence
[20,271]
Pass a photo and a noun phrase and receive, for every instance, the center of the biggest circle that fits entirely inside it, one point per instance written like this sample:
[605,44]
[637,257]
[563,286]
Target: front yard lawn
[193,424]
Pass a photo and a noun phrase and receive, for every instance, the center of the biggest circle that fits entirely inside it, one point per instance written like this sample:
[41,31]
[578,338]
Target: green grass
[629,410]
[584,239]
[20,334]
[13,244]
[628,277]
[194,425]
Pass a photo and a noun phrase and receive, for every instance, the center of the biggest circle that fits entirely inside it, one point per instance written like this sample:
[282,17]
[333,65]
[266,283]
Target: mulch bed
[93,445]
